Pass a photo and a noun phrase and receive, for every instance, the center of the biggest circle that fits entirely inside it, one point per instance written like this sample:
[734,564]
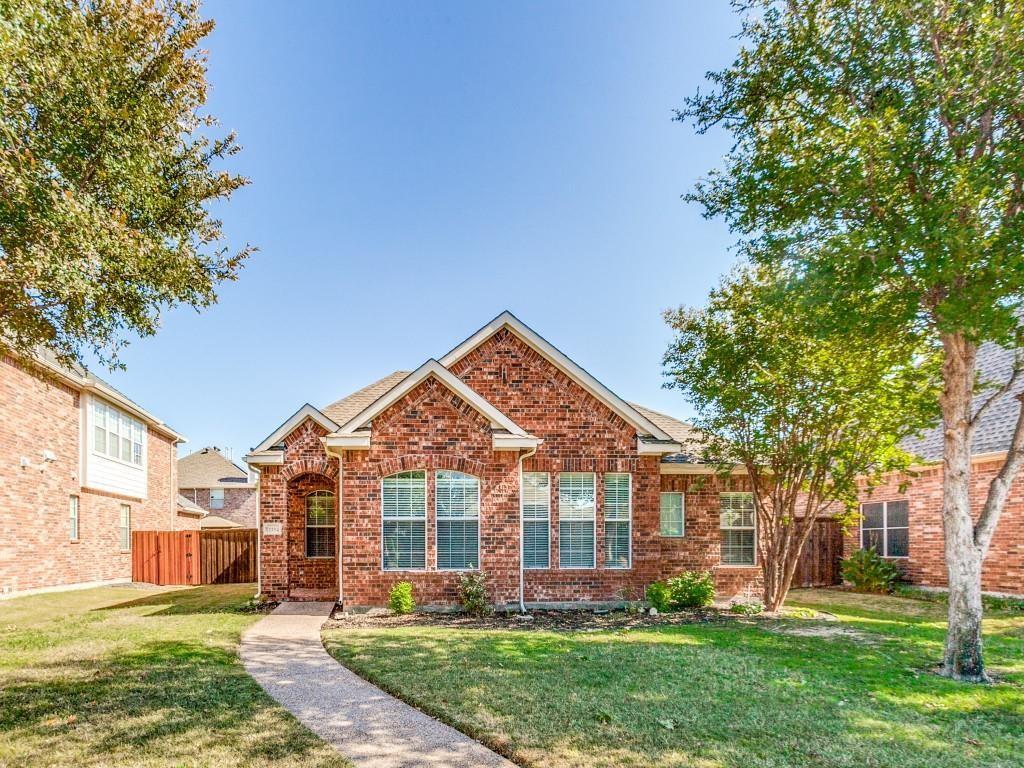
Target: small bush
[473,594]
[747,608]
[660,596]
[691,589]
[868,571]
[400,600]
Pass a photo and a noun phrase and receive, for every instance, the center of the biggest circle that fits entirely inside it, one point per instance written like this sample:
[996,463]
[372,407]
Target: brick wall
[240,504]
[1003,568]
[38,412]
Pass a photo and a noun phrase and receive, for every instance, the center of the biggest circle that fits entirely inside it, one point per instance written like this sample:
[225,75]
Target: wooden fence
[819,562]
[194,557]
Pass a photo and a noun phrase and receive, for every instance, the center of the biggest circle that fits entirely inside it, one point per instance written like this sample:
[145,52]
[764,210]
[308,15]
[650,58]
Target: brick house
[81,466]
[902,517]
[211,481]
[502,456]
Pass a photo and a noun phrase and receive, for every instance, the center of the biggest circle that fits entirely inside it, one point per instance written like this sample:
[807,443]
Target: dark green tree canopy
[880,145]
[106,172]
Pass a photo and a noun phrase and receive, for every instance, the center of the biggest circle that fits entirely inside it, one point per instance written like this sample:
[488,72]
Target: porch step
[302,595]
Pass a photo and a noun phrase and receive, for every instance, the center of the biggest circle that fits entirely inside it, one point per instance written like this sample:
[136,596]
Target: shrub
[400,600]
[660,596]
[868,571]
[473,594]
[747,608]
[691,589]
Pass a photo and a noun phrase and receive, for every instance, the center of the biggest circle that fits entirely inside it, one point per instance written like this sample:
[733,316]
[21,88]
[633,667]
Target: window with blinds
[73,517]
[737,524]
[673,515]
[617,519]
[125,528]
[404,519]
[321,524]
[457,506]
[576,520]
[536,501]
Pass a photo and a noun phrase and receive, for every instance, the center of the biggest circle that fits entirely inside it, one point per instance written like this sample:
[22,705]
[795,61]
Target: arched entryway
[312,537]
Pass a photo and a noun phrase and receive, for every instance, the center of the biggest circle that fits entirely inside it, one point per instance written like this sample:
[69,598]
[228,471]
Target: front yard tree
[106,173]
[804,413]
[879,146]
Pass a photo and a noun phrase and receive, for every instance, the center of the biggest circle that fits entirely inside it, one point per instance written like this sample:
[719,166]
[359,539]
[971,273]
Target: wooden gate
[194,557]
[819,562]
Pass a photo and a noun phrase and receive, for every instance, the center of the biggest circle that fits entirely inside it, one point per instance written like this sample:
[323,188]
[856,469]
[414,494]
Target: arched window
[321,521]
[457,504]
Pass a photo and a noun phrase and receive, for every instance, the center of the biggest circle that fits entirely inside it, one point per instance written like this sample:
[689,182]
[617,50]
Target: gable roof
[307,411]
[561,361]
[209,468]
[995,430]
[188,507]
[344,409]
[432,368]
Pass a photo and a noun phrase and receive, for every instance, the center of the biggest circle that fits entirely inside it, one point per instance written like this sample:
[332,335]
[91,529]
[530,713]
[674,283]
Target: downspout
[522,571]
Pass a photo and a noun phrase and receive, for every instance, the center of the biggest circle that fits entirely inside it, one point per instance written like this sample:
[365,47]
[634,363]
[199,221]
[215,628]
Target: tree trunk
[963,658]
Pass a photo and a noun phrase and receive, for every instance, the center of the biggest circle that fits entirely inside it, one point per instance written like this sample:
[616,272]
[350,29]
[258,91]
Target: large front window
[576,508]
[617,519]
[321,521]
[536,519]
[885,525]
[404,513]
[737,521]
[457,506]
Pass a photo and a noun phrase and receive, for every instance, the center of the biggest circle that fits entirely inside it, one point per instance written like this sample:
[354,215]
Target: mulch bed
[562,620]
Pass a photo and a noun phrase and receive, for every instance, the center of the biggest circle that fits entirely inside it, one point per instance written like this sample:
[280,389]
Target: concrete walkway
[283,652]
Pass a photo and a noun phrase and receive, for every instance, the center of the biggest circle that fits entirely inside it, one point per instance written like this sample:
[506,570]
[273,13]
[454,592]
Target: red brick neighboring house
[213,482]
[81,466]
[502,456]
[905,524]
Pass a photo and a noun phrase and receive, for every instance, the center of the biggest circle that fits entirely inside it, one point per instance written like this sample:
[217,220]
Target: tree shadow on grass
[208,598]
[170,703]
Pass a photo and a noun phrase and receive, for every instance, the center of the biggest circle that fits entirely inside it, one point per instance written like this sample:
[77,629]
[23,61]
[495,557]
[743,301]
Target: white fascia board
[671,468]
[359,441]
[515,442]
[263,458]
[561,361]
[433,368]
[305,412]
[657,449]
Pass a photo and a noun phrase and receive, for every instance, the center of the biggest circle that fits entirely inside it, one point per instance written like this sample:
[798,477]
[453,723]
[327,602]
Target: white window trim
[628,521]
[120,538]
[75,513]
[885,528]
[682,509]
[143,434]
[753,528]
[307,526]
[223,498]
[592,521]
[437,527]
[426,538]
[523,520]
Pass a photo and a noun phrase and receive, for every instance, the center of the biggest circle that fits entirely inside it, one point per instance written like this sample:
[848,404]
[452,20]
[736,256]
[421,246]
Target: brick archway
[325,467]
[411,461]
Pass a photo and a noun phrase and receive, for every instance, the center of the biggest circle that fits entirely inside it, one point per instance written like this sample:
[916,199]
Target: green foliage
[868,571]
[107,172]
[659,595]
[747,608]
[400,599]
[473,594]
[692,589]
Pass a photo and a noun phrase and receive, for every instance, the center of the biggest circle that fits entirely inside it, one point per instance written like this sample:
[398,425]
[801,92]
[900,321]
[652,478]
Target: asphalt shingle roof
[209,468]
[994,432]
[341,411]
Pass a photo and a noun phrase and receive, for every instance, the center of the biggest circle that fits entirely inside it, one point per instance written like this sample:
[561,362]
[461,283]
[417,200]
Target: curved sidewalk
[283,652]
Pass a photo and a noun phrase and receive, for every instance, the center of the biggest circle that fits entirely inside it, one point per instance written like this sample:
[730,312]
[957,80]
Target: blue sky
[418,168]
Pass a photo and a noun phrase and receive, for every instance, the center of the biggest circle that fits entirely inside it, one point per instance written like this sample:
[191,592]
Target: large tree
[107,170]
[879,147]
[808,414]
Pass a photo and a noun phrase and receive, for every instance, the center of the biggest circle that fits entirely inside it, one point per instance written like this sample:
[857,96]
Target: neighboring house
[210,480]
[503,456]
[81,467]
[902,517]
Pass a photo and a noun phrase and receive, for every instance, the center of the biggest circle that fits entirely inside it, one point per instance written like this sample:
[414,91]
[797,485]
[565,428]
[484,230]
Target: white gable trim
[559,360]
[430,368]
[305,412]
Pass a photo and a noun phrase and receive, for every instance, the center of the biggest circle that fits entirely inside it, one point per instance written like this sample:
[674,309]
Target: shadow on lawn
[209,598]
[166,701]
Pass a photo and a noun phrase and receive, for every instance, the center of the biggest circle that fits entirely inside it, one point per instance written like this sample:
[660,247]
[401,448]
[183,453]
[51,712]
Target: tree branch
[1000,486]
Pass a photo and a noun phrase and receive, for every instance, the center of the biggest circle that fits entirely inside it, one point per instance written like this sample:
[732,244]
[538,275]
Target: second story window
[116,434]
[216,498]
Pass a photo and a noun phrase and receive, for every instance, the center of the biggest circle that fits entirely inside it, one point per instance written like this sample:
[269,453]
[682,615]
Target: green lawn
[800,692]
[123,676]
